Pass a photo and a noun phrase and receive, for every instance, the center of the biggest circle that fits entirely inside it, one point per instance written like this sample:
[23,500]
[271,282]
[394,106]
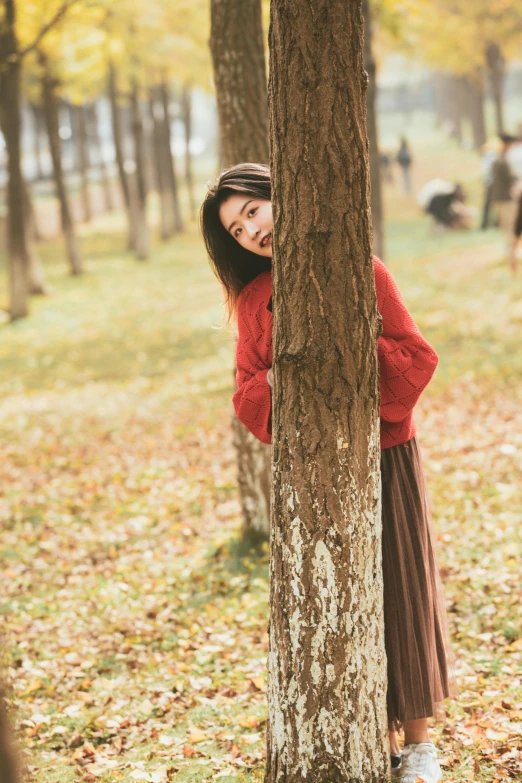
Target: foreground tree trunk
[10,74]
[82,155]
[327,663]
[106,184]
[138,192]
[117,137]
[240,80]
[9,761]
[50,105]
[170,166]
[496,67]
[373,135]
[186,109]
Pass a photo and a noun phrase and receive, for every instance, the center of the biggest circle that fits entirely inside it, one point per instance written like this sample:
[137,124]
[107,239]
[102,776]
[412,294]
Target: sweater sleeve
[406,360]
[252,399]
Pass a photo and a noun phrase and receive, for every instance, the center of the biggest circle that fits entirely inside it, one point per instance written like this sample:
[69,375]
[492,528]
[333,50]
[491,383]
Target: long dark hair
[232,264]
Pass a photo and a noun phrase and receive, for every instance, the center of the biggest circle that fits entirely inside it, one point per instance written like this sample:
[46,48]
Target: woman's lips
[266,240]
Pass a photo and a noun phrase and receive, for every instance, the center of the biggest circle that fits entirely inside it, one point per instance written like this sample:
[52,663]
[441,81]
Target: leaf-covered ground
[135,634]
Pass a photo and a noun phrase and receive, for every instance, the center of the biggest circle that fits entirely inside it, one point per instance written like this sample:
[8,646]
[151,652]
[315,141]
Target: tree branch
[48,26]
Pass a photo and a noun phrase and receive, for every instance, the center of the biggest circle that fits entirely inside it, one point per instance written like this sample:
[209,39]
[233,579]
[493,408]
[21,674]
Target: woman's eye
[236,231]
[252,212]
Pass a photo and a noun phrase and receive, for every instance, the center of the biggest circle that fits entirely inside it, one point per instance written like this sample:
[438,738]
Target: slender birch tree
[326,662]
[240,80]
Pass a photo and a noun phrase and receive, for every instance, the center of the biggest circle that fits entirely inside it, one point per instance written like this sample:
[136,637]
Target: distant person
[502,181]
[405,160]
[449,210]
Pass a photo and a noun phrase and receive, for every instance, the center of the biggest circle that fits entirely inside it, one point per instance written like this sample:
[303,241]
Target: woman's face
[249,221]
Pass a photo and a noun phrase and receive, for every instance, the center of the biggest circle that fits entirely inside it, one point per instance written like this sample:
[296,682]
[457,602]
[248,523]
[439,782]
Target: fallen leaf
[159,774]
[497,736]
[196,736]
[140,774]
[95,769]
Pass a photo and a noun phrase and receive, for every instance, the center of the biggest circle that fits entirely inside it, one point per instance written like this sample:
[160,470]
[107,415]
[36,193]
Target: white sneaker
[420,763]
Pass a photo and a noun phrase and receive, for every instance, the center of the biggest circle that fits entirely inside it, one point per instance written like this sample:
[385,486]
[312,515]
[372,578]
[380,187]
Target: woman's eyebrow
[241,212]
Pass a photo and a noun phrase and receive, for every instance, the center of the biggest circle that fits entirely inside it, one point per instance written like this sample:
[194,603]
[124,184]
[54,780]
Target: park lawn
[136,621]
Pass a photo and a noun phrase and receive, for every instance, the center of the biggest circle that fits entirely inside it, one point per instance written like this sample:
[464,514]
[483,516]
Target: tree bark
[167,212]
[373,135]
[82,160]
[240,80]
[50,105]
[496,66]
[10,77]
[326,661]
[104,172]
[474,84]
[170,164]
[138,190]
[117,137]
[186,108]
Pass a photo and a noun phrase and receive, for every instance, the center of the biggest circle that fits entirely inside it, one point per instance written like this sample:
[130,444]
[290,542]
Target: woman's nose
[252,230]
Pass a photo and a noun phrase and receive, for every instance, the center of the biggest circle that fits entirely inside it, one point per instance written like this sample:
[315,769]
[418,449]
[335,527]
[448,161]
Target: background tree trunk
[139,191]
[373,135]
[456,100]
[104,172]
[51,119]
[170,165]
[34,270]
[82,160]
[117,137]
[438,98]
[167,216]
[496,67]
[474,85]
[10,74]
[37,139]
[186,109]
[327,662]
[240,79]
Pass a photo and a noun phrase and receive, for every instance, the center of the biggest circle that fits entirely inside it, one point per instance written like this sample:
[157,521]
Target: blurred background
[136,607]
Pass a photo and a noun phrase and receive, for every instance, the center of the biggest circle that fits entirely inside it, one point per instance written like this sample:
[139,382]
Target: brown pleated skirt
[420,659]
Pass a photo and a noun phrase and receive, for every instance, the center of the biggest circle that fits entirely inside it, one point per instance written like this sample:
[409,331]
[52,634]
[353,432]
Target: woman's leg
[416,731]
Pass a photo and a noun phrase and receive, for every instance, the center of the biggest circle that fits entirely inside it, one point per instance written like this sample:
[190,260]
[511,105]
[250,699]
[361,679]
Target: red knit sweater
[406,361]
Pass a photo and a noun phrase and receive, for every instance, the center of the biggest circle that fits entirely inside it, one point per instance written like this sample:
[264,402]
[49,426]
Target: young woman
[236,221]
